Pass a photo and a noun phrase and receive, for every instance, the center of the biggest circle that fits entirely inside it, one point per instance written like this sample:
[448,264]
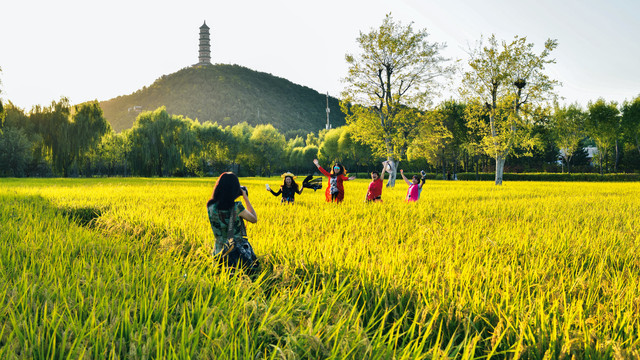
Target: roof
[204,26]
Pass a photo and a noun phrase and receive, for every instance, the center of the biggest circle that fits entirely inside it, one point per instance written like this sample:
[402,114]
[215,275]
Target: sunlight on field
[121,268]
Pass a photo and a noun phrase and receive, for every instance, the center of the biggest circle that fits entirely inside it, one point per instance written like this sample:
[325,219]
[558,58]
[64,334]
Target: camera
[245,189]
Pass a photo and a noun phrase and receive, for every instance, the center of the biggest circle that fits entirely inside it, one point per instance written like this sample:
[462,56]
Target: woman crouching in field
[223,210]
[288,189]
[415,187]
[335,189]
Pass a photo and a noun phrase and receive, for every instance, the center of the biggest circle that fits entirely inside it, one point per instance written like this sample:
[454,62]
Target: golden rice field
[121,269]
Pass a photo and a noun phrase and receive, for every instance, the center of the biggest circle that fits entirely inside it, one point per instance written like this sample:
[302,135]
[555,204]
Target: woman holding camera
[222,206]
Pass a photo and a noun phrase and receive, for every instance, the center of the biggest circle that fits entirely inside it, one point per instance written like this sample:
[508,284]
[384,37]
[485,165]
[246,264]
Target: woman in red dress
[335,189]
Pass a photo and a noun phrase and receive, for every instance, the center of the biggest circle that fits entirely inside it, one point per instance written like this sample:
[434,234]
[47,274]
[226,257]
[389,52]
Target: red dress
[375,190]
[339,180]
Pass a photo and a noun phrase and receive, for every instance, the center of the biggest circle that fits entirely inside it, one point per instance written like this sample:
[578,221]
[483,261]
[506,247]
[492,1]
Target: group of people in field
[335,184]
[226,215]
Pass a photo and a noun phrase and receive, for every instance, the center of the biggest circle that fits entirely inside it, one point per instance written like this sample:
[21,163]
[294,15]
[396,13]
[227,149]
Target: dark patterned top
[219,220]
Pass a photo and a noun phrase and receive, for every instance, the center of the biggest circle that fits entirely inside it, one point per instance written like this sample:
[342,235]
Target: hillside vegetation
[228,94]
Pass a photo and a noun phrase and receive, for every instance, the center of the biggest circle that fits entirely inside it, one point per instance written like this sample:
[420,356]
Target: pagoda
[204,54]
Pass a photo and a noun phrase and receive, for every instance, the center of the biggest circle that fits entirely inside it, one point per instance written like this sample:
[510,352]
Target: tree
[15,152]
[507,81]
[53,123]
[631,120]
[354,151]
[212,148]
[387,83]
[268,144]
[603,125]
[160,142]
[442,135]
[87,129]
[567,128]
[239,145]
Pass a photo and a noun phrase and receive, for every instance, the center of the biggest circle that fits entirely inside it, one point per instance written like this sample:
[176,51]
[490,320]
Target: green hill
[228,94]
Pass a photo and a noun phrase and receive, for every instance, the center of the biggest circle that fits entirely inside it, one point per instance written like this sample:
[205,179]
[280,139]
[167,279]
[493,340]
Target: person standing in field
[288,189]
[222,206]
[374,193]
[415,186]
[335,188]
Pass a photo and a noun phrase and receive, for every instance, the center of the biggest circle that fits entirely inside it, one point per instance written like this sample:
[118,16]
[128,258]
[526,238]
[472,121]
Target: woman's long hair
[294,184]
[225,191]
[341,172]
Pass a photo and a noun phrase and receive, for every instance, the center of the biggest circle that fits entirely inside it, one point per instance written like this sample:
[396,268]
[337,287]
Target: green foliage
[508,83]
[15,152]
[568,128]
[603,126]
[228,95]
[268,147]
[394,75]
[631,121]
[160,142]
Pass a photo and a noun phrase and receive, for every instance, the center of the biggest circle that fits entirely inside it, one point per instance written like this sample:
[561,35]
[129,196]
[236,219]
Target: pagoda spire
[204,53]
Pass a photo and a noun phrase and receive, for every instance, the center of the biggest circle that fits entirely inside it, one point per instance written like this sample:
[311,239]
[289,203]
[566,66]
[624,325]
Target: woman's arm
[248,213]
[323,171]
[276,193]
[405,178]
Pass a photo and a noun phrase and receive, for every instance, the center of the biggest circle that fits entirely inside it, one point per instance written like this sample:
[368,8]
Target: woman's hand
[316,163]
[352,177]
[401,172]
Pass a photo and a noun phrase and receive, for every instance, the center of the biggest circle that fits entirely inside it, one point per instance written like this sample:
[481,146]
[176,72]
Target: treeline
[61,140]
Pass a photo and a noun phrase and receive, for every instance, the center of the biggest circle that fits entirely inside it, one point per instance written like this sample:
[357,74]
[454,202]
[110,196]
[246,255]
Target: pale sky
[85,49]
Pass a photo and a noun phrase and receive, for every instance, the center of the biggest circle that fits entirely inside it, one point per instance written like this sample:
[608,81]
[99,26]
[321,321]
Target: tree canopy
[506,80]
[388,84]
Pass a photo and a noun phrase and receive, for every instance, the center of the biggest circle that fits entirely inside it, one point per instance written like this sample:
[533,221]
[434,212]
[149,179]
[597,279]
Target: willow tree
[87,129]
[507,79]
[160,142]
[387,86]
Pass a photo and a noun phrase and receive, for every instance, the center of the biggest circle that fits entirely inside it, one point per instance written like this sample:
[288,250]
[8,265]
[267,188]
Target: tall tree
[567,128]
[160,142]
[631,120]
[268,144]
[239,145]
[387,84]
[603,125]
[442,136]
[53,123]
[87,129]
[508,80]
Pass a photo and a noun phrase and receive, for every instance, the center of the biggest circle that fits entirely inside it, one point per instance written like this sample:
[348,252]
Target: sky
[97,50]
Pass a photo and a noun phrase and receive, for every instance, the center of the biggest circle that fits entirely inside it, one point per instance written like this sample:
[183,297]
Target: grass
[121,268]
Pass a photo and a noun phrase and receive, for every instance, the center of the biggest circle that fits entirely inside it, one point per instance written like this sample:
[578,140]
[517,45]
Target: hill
[228,94]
